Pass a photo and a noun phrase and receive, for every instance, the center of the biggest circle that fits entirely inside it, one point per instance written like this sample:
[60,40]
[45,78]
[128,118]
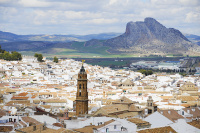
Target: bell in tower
[82,94]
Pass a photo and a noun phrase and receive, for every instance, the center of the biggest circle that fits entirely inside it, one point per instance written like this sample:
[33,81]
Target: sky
[83,17]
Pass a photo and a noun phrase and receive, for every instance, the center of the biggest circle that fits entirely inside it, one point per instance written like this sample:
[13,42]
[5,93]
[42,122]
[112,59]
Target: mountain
[193,38]
[7,36]
[10,37]
[142,38]
[151,37]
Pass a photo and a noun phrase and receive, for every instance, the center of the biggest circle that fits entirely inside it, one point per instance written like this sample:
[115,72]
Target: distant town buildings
[69,97]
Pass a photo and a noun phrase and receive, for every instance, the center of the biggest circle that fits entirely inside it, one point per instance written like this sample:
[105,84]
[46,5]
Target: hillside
[10,37]
[193,38]
[140,39]
[151,37]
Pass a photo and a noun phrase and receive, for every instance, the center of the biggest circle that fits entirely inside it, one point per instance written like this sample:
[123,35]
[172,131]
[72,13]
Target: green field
[78,50]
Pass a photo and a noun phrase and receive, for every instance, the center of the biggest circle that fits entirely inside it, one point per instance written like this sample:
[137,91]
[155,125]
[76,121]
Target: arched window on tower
[79,92]
[79,86]
[83,86]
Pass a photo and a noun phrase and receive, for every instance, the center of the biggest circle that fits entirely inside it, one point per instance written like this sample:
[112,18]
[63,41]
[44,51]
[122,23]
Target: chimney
[34,127]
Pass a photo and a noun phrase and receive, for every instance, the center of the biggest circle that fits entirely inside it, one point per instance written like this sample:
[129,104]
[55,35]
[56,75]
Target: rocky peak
[148,36]
[151,21]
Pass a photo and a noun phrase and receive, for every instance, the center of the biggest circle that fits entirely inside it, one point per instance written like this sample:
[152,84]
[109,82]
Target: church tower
[150,105]
[82,94]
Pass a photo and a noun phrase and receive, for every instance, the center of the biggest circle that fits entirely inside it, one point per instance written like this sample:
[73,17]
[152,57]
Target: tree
[16,56]
[6,56]
[39,57]
[146,72]
[36,55]
[149,72]
[55,59]
[1,50]
[10,56]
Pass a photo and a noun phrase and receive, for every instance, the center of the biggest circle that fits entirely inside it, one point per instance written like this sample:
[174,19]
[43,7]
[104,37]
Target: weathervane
[83,62]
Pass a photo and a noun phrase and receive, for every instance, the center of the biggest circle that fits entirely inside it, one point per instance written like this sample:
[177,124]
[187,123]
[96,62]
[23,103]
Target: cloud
[101,21]
[190,3]
[34,3]
[193,17]
[94,16]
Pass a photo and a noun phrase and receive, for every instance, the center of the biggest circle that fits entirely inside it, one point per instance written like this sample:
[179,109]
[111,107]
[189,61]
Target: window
[79,86]
[83,86]
[182,112]
[115,126]
[79,92]
[107,130]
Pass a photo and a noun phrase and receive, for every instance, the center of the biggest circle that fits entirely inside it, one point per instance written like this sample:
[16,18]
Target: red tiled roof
[19,98]
[167,129]
[171,114]
[195,123]
[23,94]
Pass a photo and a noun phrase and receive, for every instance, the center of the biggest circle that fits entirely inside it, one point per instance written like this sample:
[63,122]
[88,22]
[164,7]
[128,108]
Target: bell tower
[82,94]
[150,105]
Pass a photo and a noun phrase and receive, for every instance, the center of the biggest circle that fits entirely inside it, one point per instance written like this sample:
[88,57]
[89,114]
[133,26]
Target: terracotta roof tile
[30,120]
[123,100]
[171,114]
[13,102]
[187,98]
[6,128]
[195,123]
[194,111]
[39,129]
[2,113]
[89,129]
[138,121]
[19,98]
[167,129]
[127,115]
[111,109]
[86,129]
[22,94]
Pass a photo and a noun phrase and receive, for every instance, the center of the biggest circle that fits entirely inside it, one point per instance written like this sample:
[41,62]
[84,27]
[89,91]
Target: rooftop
[166,129]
